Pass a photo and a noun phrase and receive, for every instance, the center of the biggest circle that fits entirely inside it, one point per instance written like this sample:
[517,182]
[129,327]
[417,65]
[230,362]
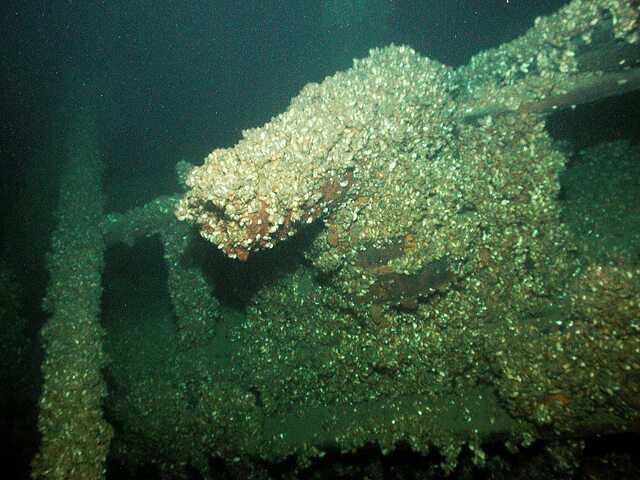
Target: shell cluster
[297,167]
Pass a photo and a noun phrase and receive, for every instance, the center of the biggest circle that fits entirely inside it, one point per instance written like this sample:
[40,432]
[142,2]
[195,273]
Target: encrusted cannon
[304,163]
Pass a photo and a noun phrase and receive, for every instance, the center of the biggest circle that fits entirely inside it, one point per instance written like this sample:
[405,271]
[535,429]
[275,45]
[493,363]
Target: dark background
[178,78]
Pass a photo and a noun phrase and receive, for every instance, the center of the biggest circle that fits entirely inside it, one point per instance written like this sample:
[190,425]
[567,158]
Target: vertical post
[75,436]
[195,307]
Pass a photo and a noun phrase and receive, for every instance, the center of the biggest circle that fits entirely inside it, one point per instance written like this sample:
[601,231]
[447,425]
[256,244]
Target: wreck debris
[456,223]
[75,436]
[301,165]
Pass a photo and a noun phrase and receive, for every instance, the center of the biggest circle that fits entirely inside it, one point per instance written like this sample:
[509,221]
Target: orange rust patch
[409,244]
[208,229]
[383,269]
[405,290]
[332,190]
[556,398]
[360,201]
[243,254]
[285,227]
[259,223]
[333,237]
